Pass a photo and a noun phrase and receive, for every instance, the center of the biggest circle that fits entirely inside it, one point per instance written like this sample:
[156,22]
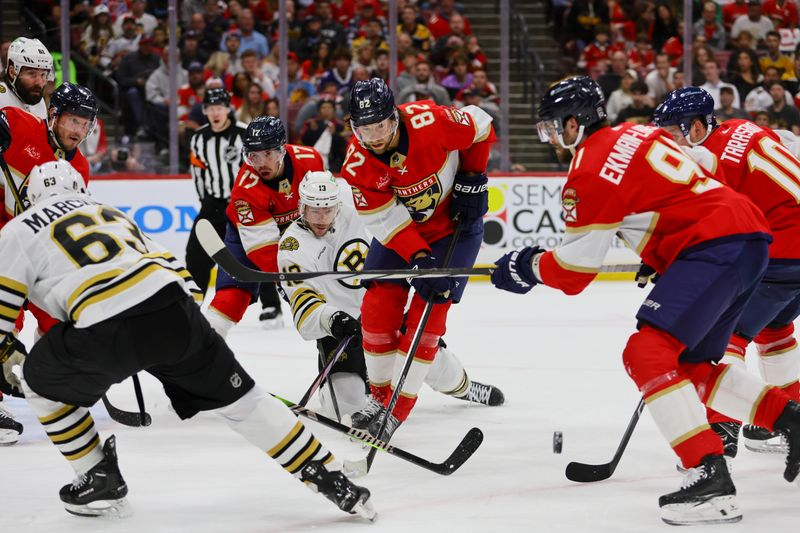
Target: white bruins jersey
[9,99]
[343,248]
[80,261]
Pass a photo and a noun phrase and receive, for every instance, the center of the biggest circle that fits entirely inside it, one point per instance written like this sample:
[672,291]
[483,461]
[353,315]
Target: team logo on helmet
[569,203]
[421,198]
[289,244]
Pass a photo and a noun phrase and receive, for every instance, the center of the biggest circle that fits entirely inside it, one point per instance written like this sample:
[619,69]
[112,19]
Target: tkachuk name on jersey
[620,156]
[740,138]
[36,221]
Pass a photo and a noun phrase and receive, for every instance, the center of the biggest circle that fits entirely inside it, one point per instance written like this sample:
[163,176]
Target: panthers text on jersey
[404,195]
[260,210]
[30,147]
[634,181]
[80,261]
[753,161]
[343,248]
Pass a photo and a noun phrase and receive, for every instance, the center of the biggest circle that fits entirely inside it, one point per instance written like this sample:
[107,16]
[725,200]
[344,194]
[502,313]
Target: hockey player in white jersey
[28,69]
[125,305]
[329,236]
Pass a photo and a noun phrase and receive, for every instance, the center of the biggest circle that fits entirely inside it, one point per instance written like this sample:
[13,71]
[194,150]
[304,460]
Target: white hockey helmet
[53,178]
[25,52]
[319,190]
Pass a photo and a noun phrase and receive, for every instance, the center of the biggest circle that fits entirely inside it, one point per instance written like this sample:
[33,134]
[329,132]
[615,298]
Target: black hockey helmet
[216,96]
[682,106]
[74,99]
[264,133]
[579,97]
[371,101]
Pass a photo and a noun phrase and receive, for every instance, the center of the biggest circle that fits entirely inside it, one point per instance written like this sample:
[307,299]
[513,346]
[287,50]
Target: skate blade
[8,437]
[717,510]
[102,508]
[775,445]
[272,323]
[355,469]
[365,510]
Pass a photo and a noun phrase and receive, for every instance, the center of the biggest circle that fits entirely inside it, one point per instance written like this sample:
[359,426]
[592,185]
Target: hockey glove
[343,325]
[12,353]
[514,272]
[5,133]
[470,197]
[646,273]
[436,290]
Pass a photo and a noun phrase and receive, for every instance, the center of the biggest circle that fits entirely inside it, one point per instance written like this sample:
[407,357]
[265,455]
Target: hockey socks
[779,358]
[227,309]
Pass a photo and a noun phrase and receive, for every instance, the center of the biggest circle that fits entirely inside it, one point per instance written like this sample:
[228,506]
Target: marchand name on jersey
[622,152]
[36,221]
[737,144]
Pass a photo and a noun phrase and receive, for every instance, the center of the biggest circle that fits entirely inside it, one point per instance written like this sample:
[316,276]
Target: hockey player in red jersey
[412,169]
[753,161]
[26,141]
[263,203]
[710,246]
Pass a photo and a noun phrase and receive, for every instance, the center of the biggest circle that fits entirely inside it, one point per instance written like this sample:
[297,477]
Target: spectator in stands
[218,65]
[701,54]
[241,85]
[439,21]
[325,132]
[381,69]
[191,51]
[95,147]
[731,11]
[759,99]
[623,96]
[425,87]
[4,46]
[641,56]
[413,25]
[774,57]
[713,84]
[664,26]
[451,43]
[299,89]
[792,84]
[404,44]
[484,88]
[331,30]
[459,78]
[598,50]
[372,35]
[233,43]
[208,40]
[311,37]
[251,64]
[253,106]
[158,99]
[367,11]
[781,114]
[583,17]
[673,47]
[97,34]
[145,20]
[310,108]
[709,27]
[726,109]
[118,47]
[320,61]
[189,8]
[762,119]
[216,25]
[192,92]
[477,59]
[470,96]
[341,74]
[755,22]
[782,13]
[132,74]
[610,80]
[659,82]
[641,109]
[364,55]
[677,80]
[251,39]
[747,75]
[262,10]
[273,108]
[405,78]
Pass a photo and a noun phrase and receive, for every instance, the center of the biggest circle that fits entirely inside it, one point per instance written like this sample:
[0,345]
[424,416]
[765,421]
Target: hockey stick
[20,204]
[325,371]
[586,473]
[333,394]
[129,418]
[216,249]
[468,445]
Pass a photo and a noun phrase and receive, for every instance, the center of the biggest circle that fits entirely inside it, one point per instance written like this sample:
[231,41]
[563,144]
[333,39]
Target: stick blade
[208,238]
[468,446]
[583,473]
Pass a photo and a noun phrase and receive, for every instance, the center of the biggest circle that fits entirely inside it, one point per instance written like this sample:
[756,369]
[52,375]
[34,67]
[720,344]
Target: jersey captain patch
[421,198]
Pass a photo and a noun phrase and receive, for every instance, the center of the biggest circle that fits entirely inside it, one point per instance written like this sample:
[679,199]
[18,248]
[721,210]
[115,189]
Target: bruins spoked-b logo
[351,258]
[421,198]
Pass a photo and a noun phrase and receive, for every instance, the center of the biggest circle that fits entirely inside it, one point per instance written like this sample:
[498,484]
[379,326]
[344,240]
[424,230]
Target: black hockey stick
[325,371]
[468,445]
[19,204]
[585,473]
[129,418]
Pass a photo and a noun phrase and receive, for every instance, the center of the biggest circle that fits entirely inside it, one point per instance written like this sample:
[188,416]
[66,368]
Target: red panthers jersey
[634,181]
[30,147]
[404,195]
[260,210]
[753,161]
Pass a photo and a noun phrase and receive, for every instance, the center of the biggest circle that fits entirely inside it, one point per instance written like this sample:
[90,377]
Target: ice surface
[556,358]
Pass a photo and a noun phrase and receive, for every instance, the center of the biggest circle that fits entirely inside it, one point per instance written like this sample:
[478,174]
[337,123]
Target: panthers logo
[569,203]
[289,244]
[421,198]
[351,258]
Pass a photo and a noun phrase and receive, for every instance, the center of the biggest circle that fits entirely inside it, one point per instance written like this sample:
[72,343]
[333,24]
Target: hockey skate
[271,318]
[101,491]
[335,486]
[483,394]
[707,496]
[362,419]
[391,426]
[10,429]
[729,433]
[760,440]
[788,425]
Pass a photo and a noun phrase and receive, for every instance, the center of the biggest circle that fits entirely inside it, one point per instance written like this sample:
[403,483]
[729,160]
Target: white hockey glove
[12,353]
